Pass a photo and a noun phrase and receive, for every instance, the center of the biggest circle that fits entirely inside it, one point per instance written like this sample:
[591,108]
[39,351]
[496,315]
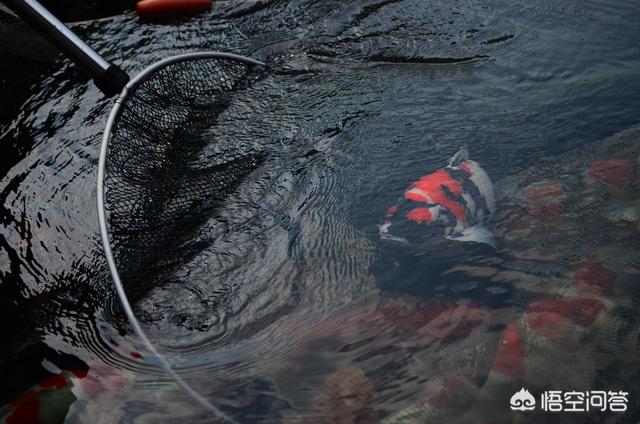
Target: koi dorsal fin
[460,156]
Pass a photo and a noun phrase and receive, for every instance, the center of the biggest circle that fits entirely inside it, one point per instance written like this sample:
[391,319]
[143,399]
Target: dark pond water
[289,308]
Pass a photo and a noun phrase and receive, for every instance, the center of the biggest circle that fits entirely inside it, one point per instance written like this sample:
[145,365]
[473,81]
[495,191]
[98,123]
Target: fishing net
[162,176]
[18,39]
[9,21]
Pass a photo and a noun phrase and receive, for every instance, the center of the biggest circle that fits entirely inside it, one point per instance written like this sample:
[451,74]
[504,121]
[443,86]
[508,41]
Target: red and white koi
[456,201]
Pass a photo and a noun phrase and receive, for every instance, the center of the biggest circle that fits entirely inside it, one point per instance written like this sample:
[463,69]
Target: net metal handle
[109,78]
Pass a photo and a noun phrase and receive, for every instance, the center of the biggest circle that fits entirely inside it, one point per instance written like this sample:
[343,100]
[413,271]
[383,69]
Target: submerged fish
[623,214]
[454,202]
[72,393]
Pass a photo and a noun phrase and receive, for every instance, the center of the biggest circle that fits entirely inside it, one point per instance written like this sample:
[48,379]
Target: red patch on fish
[419,215]
[509,359]
[391,211]
[464,166]
[80,373]
[432,186]
[554,319]
[616,173]
[26,396]
[593,278]
[25,413]
[57,381]
[545,200]
[439,178]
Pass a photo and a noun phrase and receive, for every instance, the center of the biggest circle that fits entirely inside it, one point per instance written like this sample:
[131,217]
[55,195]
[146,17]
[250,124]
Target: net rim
[102,219]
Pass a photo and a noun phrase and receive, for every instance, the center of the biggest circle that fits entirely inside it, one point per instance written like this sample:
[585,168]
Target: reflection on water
[285,313]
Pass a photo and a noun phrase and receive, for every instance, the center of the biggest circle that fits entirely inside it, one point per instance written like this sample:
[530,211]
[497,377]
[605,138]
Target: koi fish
[454,202]
[90,387]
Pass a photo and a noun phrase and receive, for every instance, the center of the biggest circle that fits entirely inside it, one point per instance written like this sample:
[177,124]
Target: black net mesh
[10,22]
[18,39]
[162,181]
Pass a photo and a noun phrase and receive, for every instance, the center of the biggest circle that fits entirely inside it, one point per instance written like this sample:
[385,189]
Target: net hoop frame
[102,218]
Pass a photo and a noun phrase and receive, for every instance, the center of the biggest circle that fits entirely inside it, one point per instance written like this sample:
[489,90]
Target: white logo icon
[522,401]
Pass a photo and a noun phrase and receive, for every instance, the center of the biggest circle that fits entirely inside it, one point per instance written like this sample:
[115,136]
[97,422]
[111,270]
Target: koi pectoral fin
[386,235]
[478,234]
